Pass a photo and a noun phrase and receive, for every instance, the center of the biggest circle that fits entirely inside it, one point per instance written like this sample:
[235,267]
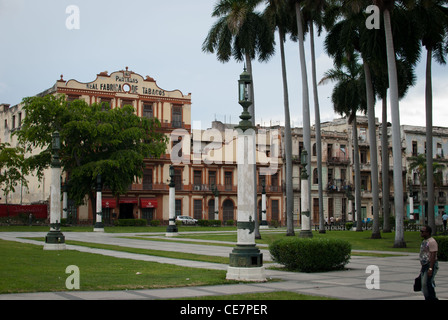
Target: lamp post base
[172,231]
[246,274]
[246,264]
[54,241]
[99,227]
[305,234]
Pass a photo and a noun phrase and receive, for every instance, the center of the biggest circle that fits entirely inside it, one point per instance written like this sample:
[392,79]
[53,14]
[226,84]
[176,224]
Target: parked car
[186,220]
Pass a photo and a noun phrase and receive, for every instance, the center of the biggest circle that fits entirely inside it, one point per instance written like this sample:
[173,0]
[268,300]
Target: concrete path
[396,274]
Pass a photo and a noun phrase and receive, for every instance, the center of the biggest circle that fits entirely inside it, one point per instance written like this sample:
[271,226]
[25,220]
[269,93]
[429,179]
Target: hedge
[442,253]
[130,222]
[311,255]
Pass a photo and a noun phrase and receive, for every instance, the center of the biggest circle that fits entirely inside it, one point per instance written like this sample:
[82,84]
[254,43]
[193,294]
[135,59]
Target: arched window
[228,210]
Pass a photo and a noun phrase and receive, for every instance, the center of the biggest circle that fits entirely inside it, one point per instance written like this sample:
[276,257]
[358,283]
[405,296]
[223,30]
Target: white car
[186,220]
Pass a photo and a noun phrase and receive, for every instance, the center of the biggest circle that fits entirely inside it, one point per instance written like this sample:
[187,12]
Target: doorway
[126,211]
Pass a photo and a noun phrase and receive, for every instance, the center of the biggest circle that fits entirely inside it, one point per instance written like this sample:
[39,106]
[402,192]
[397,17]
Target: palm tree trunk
[396,134]
[373,152]
[318,132]
[429,144]
[357,176]
[385,167]
[288,144]
[305,96]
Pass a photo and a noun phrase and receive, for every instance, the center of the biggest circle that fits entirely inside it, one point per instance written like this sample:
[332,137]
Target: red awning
[129,200]
[109,203]
[148,203]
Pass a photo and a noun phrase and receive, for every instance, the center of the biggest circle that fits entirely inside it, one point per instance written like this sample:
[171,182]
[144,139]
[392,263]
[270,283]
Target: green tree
[95,140]
[13,169]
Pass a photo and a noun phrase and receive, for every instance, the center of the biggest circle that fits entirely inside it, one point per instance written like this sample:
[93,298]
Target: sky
[163,39]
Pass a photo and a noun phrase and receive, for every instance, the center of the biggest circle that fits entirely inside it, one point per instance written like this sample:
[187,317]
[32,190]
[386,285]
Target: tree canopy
[95,140]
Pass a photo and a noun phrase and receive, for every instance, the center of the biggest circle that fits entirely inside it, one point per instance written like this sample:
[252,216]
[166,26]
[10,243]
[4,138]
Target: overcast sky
[163,39]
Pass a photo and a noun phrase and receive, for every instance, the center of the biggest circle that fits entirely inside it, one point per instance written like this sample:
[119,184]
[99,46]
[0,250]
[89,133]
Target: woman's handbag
[418,283]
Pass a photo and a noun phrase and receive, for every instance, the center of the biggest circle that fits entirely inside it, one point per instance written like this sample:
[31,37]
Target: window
[274,182]
[274,210]
[228,181]
[212,178]
[315,176]
[414,148]
[197,180]
[178,209]
[178,178]
[147,179]
[177,117]
[148,111]
[127,103]
[197,210]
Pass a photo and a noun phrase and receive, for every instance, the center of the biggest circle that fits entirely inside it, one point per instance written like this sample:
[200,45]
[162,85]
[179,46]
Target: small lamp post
[305,231]
[99,226]
[411,200]
[246,260]
[216,194]
[171,230]
[264,222]
[55,240]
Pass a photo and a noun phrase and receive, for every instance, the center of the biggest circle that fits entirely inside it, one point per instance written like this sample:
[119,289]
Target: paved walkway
[396,273]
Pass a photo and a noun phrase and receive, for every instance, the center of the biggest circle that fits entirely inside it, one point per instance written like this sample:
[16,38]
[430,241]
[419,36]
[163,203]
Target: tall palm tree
[432,16]
[279,14]
[305,89]
[241,33]
[348,98]
[386,6]
[349,35]
[314,12]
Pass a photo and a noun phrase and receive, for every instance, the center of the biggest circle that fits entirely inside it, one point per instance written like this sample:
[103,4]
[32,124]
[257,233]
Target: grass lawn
[28,268]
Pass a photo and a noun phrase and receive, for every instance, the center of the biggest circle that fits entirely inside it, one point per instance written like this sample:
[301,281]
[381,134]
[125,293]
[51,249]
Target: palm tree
[305,90]
[279,15]
[348,98]
[243,34]
[314,14]
[406,76]
[417,164]
[386,6]
[432,16]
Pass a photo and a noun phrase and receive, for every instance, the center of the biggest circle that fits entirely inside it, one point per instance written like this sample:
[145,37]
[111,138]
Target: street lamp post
[171,230]
[99,226]
[246,260]
[216,194]
[264,222]
[55,240]
[305,231]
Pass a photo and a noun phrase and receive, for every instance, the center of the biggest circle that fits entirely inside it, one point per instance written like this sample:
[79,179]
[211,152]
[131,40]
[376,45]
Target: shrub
[349,226]
[155,223]
[311,255]
[442,253]
[130,222]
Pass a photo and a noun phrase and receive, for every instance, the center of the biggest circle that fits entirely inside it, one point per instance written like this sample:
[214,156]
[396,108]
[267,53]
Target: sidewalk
[396,274]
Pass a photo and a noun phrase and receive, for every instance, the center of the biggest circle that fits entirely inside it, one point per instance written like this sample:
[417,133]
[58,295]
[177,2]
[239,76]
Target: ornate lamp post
[171,230]
[246,261]
[99,226]
[305,231]
[264,222]
[411,200]
[55,240]
[216,194]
